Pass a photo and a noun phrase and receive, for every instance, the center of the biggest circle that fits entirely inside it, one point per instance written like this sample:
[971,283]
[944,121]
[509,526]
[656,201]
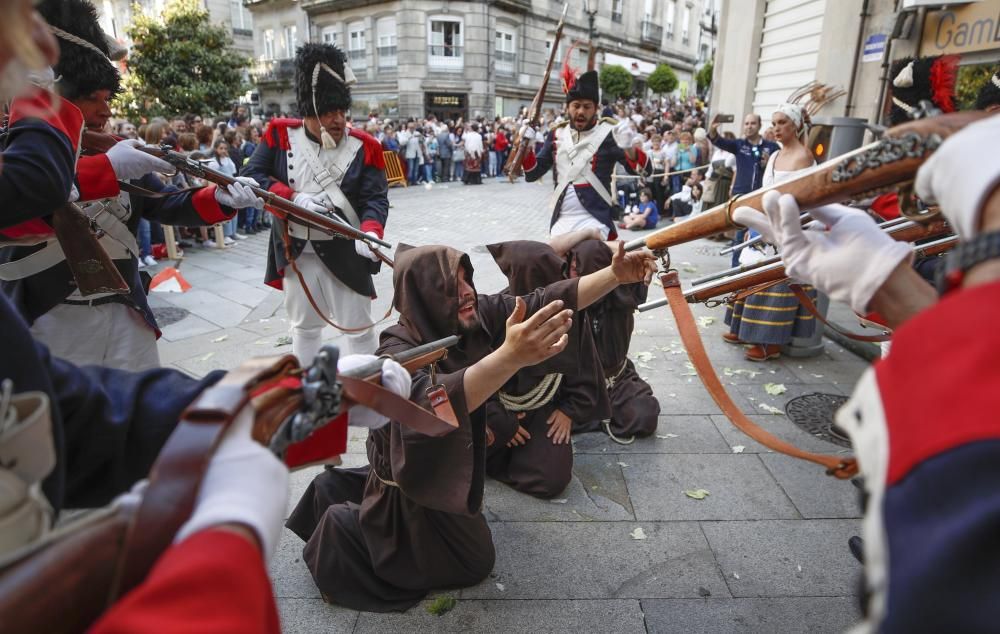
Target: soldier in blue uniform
[122,329]
[321,164]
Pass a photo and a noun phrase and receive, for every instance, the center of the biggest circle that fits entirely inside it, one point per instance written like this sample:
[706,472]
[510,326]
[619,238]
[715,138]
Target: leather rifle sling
[759,288]
[808,304]
[841,467]
[407,413]
[177,474]
[305,288]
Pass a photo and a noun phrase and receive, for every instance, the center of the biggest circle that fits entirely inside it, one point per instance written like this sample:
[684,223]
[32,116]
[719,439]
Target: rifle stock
[514,162]
[92,268]
[891,161]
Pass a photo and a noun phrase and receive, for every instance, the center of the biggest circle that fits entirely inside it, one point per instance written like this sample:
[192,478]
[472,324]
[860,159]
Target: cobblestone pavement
[766,551]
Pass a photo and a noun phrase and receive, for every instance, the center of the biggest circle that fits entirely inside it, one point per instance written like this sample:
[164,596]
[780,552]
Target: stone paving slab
[739,487]
[315,615]
[502,617]
[211,307]
[674,434]
[814,494]
[782,558]
[599,560]
[780,426]
[789,615]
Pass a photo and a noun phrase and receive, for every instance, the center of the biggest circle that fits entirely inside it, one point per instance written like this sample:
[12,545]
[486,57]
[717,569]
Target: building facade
[849,44]
[470,59]
[116,15]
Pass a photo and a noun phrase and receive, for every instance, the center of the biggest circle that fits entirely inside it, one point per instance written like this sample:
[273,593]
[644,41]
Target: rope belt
[610,382]
[539,396]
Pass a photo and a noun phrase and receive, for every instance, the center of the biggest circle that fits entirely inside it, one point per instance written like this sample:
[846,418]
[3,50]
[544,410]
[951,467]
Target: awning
[635,66]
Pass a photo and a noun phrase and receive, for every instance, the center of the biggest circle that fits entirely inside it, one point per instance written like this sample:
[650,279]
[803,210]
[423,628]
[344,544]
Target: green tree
[663,80]
[704,77]
[971,80]
[616,81]
[180,64]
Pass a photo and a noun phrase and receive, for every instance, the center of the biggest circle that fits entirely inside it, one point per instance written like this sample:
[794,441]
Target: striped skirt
[772,317]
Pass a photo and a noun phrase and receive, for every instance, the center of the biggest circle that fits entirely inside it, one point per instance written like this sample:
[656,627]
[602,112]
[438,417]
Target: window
[506,51]
[560,50]
[671,12]
[240,16]
[616,10]
[386,33]
[445,45]
[685,23]
[356,44]
[291,41]
[331,35]
[268,44]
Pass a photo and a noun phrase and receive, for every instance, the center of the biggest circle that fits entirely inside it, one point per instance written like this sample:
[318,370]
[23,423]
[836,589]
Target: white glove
[319,203]
[527,133]
[849,262]
[624,135]
[959,176]
[245,484]
[395,378]
[130,163]
[239,195]
[365,249]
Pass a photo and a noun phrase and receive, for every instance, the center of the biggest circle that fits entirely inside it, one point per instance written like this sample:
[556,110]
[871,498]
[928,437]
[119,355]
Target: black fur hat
[586,86]
[331,93]
[922,79]
[81,70]
[989,94]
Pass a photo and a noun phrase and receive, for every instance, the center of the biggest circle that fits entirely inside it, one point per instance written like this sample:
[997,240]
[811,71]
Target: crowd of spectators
[689,172]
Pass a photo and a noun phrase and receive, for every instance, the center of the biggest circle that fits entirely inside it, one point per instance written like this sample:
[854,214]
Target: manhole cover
[814,414]
[170,315]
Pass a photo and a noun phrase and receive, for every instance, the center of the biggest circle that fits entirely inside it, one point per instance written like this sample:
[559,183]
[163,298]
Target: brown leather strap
[807,302]
[399,409]
[747,292]
[841,467]
[176,476]
[305,288]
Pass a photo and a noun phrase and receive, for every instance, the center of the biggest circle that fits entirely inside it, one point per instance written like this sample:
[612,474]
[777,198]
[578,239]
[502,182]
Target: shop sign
[966,29]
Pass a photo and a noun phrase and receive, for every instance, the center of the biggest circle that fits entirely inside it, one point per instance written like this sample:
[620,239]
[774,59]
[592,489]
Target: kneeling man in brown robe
[536,410]
[634,409]
[417,523]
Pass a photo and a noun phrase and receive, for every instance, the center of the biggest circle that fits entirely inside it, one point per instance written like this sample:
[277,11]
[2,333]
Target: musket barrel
[402,358]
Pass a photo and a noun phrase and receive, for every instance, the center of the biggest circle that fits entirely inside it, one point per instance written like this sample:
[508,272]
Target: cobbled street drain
[169,315]
[814,414]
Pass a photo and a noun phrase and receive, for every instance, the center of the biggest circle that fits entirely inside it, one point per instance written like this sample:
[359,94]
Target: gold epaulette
[556,126]
[613,122]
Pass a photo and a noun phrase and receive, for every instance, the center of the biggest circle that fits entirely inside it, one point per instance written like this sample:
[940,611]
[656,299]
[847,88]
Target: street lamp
[591,33]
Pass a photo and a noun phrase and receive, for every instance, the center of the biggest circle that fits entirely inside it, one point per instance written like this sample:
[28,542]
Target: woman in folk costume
[474,152]
[326,167]
[771,318]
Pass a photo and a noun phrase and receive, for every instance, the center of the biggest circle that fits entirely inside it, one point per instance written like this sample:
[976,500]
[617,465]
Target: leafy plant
[971,80]
[616,81]
[442,605]
[663,80]
[179,65]
[704,77]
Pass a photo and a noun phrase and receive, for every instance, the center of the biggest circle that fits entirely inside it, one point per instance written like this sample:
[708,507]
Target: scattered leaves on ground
[638,533]
[706,321]
[735,576]
[644,356]
[738,448]
[207,356]
[558,501]
[441,605]
[817,376]
[697,494]
[638,331]
[665,436]
[731,372]
[770,409]
[220,339]
[283,340]
[501,587]
[690,367]
[623,464]
[775,389]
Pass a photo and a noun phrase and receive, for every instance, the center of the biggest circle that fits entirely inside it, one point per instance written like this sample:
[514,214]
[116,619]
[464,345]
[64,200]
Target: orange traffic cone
[169,280]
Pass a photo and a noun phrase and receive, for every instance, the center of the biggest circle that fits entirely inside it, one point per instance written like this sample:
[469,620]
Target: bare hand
[541,336]
[521,437]
[637,266]
[560,426]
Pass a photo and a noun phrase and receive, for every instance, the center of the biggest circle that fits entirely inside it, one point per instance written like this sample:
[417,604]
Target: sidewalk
[766,551]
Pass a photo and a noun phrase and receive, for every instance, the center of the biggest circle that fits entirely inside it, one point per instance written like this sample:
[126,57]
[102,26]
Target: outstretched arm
[626,268]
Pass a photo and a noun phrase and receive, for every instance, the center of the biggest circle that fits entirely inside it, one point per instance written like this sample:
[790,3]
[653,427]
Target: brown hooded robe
[540,467]
[418,523]
[634,409]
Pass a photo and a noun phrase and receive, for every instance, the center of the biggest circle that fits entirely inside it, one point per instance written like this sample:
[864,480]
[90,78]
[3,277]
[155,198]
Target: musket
[772,270]
[513,165]
[889,162]
[67,579]
[275,204]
